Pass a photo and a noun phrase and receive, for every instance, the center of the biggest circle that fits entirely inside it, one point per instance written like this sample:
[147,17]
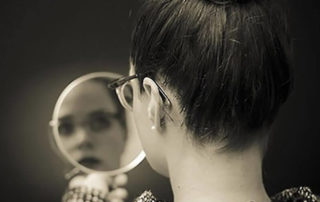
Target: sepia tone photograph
[160,101]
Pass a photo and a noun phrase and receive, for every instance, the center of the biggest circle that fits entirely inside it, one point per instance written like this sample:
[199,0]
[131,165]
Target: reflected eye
[99,123]
[66,128]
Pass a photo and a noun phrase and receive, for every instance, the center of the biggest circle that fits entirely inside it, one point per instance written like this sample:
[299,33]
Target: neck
[218,177]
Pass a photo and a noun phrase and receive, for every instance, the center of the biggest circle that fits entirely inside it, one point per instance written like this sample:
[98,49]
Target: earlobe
[155,104]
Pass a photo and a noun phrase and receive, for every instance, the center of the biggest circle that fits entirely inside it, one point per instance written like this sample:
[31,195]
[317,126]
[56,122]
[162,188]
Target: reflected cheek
[112,140]
[69,142]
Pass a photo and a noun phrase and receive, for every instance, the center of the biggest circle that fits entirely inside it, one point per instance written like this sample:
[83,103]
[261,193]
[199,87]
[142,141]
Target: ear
[155,104]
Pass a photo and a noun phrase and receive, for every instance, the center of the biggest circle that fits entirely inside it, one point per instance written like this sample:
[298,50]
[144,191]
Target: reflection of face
[90,128]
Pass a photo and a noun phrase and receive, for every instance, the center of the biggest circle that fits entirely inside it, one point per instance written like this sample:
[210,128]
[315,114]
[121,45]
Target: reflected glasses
[125,92]
[95,123]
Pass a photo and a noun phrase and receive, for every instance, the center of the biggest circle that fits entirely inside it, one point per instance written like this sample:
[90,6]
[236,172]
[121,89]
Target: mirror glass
[91,128]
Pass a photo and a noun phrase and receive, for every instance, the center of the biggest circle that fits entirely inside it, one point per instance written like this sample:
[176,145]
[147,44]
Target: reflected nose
[83,139]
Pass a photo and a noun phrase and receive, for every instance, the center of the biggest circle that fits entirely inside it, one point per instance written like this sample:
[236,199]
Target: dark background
[45,44]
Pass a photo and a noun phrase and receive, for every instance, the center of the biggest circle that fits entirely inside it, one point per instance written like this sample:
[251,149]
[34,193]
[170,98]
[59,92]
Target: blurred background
[45,44]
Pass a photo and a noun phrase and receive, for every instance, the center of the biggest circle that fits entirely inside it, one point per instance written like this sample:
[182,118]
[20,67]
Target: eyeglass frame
[122,80]
[85,123]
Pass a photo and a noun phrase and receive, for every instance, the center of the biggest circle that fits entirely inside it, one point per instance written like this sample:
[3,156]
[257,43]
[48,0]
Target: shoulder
[295,195]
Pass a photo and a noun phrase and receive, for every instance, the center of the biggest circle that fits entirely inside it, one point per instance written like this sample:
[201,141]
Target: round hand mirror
[92,130]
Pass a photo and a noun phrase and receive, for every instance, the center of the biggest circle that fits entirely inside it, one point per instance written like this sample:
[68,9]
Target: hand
[99,186]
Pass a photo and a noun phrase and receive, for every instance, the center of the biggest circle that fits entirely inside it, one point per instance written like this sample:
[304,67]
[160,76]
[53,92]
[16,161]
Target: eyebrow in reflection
[101,112]
[65,118]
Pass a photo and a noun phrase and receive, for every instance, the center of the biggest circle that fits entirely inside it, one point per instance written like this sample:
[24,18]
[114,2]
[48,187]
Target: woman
[208,78]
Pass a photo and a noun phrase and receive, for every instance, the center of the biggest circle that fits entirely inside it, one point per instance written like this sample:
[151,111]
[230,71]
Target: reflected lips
[90,162]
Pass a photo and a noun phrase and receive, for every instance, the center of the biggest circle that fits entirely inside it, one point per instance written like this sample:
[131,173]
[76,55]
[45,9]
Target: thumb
[120,180]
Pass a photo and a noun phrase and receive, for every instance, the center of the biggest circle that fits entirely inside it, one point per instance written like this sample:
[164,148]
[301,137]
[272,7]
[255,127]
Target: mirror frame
[58,141]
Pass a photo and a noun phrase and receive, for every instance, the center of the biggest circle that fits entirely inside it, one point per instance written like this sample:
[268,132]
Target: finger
[119,193]
[120,180]
[98,181]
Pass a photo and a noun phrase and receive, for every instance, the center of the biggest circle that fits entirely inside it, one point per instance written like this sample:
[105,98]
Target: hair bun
[227,2]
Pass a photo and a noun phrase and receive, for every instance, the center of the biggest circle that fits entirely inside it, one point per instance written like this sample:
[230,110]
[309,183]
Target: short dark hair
[228,63]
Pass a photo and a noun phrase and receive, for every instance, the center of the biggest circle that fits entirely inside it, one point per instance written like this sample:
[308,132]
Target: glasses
[125,92]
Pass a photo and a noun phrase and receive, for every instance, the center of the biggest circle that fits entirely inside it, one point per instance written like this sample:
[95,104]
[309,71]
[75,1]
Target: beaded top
[299,194]
[303,194]
[84,194]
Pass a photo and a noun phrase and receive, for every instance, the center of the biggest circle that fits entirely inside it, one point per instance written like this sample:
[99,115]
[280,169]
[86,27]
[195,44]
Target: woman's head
[224,62]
